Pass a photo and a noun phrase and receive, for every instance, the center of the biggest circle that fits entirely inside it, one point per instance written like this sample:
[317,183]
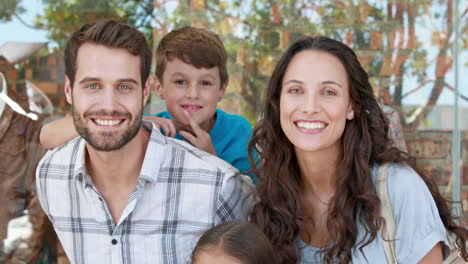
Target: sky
[16,31]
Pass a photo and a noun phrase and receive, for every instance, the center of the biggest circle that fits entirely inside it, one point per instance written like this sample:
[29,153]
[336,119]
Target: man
[122,192]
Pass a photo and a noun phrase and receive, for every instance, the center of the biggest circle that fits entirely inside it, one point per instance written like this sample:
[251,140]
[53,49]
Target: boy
[191,76]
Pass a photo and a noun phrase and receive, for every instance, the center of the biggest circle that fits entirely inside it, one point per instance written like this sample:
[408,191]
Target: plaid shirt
[180,193]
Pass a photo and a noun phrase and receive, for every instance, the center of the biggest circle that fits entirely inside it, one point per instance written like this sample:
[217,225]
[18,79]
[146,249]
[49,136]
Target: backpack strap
[388,229]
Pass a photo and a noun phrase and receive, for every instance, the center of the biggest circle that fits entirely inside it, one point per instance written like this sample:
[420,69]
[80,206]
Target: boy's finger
[188,136]
[169,128]
[193,124]
[172,128]
[166,129]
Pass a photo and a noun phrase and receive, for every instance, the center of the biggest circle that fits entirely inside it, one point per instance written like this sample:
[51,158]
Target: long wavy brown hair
[365,142]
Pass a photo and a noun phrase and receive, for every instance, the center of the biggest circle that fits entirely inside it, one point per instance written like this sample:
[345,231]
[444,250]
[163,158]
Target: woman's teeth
[310,125]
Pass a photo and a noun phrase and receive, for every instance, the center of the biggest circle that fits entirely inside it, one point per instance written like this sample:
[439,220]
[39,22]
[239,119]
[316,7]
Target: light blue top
[419,227]
[230,135]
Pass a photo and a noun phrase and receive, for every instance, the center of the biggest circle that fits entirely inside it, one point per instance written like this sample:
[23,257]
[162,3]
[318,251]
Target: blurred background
[416,53]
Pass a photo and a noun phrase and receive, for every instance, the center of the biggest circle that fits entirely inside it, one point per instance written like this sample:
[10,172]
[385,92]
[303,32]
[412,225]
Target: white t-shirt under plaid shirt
[181,192]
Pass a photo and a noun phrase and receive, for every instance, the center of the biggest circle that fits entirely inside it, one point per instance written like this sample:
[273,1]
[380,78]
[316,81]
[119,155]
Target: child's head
[235,242]
[191,74]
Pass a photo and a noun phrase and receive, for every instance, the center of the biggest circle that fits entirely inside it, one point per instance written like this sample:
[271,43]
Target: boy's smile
[186,88]
[191,107]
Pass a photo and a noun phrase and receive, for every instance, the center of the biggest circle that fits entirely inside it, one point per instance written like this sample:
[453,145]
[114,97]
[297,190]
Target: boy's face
[107,96]
[186,88]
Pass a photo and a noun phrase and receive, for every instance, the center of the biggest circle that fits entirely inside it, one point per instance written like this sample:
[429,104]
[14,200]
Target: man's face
[107,96]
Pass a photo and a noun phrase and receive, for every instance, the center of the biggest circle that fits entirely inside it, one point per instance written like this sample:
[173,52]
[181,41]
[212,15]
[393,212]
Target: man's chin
[105,147]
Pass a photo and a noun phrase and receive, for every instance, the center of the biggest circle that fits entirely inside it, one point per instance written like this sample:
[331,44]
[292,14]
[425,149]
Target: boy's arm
[57,132]
[163,123]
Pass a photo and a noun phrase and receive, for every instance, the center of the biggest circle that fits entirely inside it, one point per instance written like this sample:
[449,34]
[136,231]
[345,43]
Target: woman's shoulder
[403,177]
[405,186]
[416,216]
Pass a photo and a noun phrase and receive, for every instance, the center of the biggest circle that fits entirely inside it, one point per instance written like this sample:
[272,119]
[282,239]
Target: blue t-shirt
[418,225]
[230,135]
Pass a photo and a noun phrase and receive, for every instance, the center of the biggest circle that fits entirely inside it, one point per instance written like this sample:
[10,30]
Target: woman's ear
[350,114]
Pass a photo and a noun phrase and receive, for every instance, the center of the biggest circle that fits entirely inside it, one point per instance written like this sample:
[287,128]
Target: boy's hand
[165,124]
[200,138]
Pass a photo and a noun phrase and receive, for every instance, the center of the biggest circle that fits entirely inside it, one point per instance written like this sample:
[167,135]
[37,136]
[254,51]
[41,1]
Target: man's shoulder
[66,148]
[196,158]
[61,156]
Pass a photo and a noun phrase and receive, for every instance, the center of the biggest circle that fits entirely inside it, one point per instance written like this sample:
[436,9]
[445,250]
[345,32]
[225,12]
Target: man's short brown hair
[112,34]
[196,46]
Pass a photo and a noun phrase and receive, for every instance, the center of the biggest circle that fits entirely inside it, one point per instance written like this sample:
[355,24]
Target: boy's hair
[196,46]
[112,34]
[239,239]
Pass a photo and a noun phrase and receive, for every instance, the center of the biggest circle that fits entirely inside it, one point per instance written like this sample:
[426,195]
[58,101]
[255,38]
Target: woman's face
[314,102]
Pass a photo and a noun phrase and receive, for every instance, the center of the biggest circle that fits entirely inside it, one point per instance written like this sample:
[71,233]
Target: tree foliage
[62,17]
[10,8]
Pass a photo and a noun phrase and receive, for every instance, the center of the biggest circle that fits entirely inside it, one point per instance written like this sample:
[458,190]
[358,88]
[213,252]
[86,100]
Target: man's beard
[107,141]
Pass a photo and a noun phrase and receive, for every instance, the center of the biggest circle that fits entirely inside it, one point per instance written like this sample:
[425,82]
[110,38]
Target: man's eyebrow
[128,80]
[89,79]
[332,82]
[94,79]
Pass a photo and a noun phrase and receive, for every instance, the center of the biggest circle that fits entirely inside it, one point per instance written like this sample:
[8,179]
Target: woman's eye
[330,92]
[295,91]
[92,86]
[205,83]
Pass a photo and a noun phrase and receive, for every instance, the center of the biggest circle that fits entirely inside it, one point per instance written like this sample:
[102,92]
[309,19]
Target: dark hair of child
[239,239]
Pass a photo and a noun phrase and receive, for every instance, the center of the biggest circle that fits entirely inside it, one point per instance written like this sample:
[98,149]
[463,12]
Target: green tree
[9,9]
[62,17]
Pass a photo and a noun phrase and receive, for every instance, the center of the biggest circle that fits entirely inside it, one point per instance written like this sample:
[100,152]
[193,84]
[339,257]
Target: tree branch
[23,22]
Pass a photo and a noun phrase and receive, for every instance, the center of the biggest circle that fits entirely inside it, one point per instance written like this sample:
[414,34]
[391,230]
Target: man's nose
[109,99]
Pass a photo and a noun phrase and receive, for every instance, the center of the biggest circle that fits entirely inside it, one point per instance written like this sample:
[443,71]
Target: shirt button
[114,241]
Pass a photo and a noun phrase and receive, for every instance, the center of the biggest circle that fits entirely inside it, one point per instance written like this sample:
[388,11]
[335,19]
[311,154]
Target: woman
[320,143]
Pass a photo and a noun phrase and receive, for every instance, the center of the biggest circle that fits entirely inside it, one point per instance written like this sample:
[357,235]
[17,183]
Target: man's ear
[68,90]
[146,90]
[350,114]
[223,89]
[158,87]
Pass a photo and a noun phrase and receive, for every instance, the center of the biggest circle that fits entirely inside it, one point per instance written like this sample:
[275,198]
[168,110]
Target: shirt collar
[80,172]
[156,152]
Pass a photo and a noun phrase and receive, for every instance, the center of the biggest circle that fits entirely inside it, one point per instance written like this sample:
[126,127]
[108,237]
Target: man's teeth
[310,125]
[108,122]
